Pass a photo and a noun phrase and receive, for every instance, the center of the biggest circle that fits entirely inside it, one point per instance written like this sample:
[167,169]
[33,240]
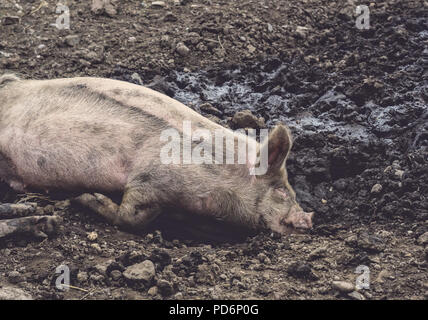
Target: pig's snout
[299,219]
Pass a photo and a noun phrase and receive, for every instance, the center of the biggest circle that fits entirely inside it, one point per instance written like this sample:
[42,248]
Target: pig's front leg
[37,226]
[17,210]
[136,211]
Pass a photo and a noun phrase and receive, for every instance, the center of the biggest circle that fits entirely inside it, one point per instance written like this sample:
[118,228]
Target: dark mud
[356,101]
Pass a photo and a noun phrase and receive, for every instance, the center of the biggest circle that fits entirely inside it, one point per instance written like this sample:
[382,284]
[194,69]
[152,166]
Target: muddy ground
[356,101]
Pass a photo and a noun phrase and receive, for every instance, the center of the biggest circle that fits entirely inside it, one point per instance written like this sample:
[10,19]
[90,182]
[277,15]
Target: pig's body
[100,135]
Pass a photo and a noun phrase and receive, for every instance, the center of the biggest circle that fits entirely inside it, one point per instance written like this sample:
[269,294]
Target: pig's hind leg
[135,212]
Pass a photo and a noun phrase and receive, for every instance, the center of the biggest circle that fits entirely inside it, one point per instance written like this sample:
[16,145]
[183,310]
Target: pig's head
[277,205]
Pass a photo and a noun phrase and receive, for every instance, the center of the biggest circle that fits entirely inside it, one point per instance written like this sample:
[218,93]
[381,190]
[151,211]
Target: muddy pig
[100,136]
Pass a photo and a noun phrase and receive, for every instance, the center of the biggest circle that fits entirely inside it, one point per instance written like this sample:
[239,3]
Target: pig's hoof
[99,204]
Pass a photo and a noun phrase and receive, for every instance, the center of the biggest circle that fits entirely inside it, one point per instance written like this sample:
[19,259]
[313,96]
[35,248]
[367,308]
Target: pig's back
[84,132]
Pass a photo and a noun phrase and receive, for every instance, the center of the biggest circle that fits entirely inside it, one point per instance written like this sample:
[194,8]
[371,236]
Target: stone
[423,239]
[72,40]
[343,286]
[182,49]
[165,288]
[158,4]
[209,108]
[245,119]
[8,20]
[144,271]
[13,293]
[376,188]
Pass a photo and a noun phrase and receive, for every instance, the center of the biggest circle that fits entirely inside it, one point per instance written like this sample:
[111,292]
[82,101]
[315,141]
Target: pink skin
[299,219]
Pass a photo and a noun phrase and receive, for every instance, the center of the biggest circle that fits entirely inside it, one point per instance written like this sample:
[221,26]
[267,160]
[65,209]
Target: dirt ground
[356,101]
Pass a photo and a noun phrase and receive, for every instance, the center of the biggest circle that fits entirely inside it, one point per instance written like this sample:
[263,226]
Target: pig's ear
[278,146]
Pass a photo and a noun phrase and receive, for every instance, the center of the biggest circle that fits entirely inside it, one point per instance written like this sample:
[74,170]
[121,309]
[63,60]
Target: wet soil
[356,101]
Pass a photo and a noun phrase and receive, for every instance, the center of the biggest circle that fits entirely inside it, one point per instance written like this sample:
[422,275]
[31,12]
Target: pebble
[423,239]
[343,286]
[8,20]
[116,275]
[182,49]
[15,277]
[356,295]
[144,271]
[158,4]
[82,276]
[72,40]
[92,236]
[376,188]
[152,291]
[245,119]
[13,293]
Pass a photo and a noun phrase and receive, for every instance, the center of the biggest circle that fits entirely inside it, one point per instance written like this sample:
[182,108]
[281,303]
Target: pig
[97,136]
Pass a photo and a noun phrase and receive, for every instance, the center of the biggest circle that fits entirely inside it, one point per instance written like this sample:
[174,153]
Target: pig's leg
[17,210]
[37,226]
[136,211]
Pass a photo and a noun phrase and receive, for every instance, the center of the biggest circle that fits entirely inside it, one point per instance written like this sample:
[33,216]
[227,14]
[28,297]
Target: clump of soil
[356,101]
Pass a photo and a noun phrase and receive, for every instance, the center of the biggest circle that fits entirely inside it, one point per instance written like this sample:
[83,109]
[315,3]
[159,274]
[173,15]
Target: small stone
[178,296]
[423,239]
[182,49]
[13,293]
[165,288]
[251,48]
[302,32]
[245,119]
[72,40]
[153,291]
[158,4]
[399,173]
[96,247]
[356,295]
[170,17]
[116,275]
[82,276]
[8,20]
[92,236]
[269,27]
[136,78]
[15,277]
[343,286]
[376,188]
[144,271]
[208,108]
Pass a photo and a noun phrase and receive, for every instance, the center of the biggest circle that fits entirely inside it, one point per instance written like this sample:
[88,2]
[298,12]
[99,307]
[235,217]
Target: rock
[343,286]
[376,188]
[136,78]
[165,288]
[317,253]
[13,293]
[92,236]
[103,267]
[208,108]
[8,20]
[170,17]
[205,275]
[269,27]
[245,119]
[158,4]
[301,270]
[178,296]
[152,291]
[72,40]
[251,48]
[423,239]
[15,277]
[116,275]
[103,7]
[356,295]
[302,32]
[182,49]
[371,243]
[144,271]
[82,277]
